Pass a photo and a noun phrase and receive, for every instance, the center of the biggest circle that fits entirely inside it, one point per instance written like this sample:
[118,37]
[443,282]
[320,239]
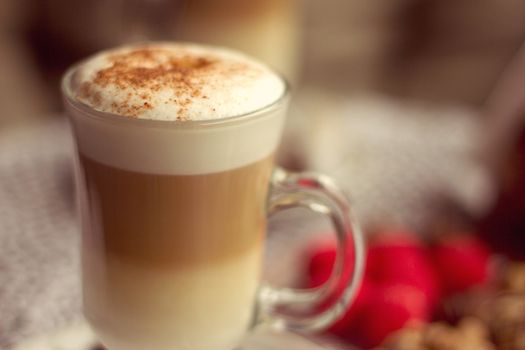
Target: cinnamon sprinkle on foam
[176,82]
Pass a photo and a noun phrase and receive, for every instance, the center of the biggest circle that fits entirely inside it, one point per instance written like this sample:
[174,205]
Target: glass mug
[172,250]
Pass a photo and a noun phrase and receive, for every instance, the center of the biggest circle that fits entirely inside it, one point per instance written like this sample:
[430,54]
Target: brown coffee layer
[175,219]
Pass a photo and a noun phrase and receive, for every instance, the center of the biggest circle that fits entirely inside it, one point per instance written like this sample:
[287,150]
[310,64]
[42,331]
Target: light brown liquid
[167,257]
[172,220]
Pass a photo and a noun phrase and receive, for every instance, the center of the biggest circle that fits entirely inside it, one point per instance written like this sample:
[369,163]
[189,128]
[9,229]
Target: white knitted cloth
[39,286]
[401,162]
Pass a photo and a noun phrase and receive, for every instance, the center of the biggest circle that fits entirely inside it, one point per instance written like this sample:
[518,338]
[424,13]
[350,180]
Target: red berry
[400,257]
[321,258]
[321,262]
[346,324]
[462,262]
[390,309]
[399,286]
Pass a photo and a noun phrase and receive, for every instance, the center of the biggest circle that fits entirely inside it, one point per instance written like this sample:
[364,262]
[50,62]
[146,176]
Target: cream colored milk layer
[160,309]
[137,84]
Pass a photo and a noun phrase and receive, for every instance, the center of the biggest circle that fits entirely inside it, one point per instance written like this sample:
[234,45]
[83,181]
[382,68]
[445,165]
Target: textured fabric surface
[403,163]
[39,288]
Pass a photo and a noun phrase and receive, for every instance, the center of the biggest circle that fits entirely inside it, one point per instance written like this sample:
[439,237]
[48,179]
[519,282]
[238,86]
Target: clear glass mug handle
[314,309]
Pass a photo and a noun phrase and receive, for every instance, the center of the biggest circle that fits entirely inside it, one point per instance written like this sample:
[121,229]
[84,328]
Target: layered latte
[175,150]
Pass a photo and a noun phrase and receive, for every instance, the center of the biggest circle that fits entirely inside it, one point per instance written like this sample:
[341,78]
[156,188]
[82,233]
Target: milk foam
[155,149]
[176,82]
[179,148]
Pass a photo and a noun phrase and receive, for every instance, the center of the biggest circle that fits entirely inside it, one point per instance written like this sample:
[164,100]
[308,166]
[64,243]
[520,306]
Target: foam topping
[176,82]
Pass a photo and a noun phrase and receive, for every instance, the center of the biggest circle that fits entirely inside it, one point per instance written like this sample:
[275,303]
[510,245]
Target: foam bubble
[164,81]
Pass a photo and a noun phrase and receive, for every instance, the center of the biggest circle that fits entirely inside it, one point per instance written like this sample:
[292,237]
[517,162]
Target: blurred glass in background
[415,48]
